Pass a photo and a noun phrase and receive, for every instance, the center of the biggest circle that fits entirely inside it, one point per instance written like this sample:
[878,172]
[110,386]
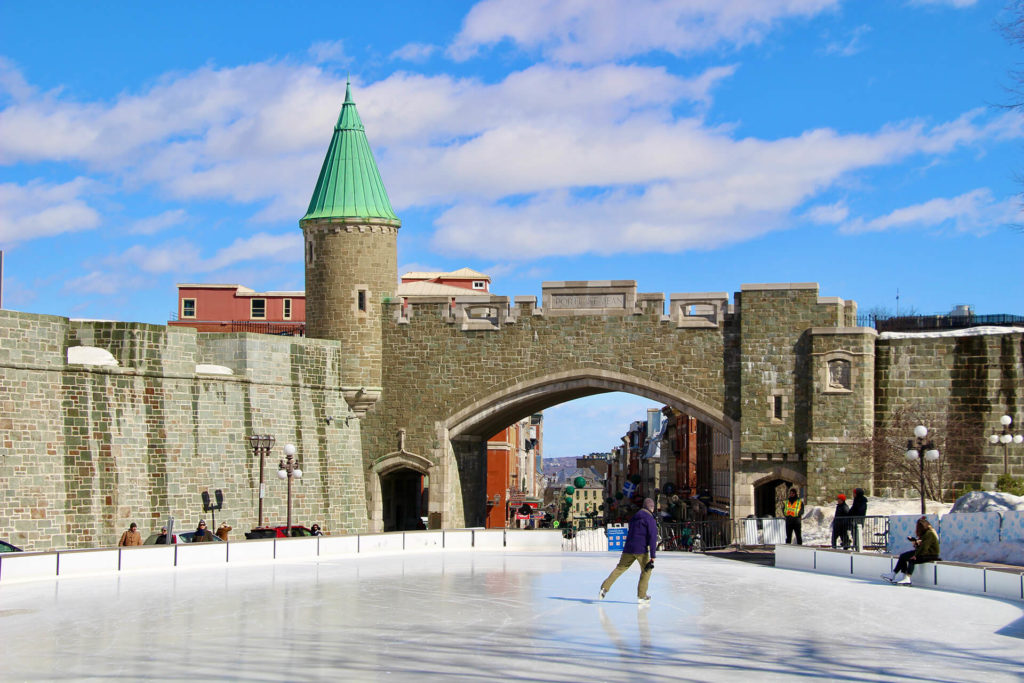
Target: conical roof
[349,185]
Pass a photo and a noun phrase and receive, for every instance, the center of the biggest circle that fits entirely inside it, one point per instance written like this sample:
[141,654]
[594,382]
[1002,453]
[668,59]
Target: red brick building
[234,308]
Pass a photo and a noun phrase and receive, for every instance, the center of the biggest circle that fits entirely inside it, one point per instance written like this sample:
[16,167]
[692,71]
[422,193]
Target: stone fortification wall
[959,384]
[85,448]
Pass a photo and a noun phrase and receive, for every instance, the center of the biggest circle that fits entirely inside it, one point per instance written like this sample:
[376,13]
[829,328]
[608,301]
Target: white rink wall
[16,567]
[997,582]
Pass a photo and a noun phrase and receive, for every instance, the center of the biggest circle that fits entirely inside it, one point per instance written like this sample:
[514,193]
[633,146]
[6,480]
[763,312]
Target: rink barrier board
[93,562]
[948,576]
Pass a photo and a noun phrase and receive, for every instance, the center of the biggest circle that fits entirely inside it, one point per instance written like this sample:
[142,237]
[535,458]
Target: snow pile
[206,369]
[90,355]
[987,501]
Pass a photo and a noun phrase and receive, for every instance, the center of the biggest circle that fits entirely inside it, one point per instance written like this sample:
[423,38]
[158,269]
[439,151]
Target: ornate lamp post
[1006,437]
[289,469]
[261,445]
[921,448]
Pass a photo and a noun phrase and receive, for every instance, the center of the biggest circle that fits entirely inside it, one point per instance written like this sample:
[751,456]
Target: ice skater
[926,549]
[641,541]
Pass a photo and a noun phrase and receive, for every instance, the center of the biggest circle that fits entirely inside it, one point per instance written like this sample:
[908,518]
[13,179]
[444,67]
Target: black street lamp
[261,445]
[289,469]
[1006,437]
[921,448]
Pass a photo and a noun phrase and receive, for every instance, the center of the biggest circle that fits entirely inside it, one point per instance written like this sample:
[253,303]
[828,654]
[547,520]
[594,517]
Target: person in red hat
[841,525]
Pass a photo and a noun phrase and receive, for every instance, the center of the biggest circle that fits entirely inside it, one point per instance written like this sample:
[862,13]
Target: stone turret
[351,235]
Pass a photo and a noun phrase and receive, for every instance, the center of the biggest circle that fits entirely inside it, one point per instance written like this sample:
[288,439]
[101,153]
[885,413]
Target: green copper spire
[349,185]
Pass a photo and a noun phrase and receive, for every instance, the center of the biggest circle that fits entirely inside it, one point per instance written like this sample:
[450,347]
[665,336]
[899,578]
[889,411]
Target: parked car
[186,537]
[277,532]
[6,547]
[151,539]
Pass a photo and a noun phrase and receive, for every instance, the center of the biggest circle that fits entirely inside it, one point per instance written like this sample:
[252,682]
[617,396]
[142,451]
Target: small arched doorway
[403,499]
[770,491]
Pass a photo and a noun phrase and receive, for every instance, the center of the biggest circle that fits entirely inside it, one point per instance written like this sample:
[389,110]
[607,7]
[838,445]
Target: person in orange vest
[794,511]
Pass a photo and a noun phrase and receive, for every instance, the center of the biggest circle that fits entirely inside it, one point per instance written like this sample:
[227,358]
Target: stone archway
[462,437]
[400,487]
[770,488]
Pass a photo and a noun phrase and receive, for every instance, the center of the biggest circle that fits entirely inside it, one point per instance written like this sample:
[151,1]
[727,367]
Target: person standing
[202,534]
[794,512]
[162,538]
[859,508]
[315,530]
[223,530]
[131,537]
[641,541]
[858,511]
[840,528]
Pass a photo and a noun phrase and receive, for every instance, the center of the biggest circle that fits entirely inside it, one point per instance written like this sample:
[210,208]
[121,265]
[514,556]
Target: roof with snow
[423,288]
[460,274]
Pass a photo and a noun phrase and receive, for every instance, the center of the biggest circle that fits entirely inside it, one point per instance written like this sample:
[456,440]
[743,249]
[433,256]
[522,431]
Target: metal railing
[708,534]
[925,323]
[589,535]
[279,328]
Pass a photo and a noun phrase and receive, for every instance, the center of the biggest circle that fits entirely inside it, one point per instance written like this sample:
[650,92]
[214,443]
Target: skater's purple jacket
[643,534]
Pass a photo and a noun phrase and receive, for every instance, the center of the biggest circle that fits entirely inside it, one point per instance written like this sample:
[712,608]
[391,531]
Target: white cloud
[614,162]
[414,52]
[959,4]
[828,214]
[850,45]
[976,211]
[40,209]
[329,51]
[582,31]
[263,247]
[154,224]
[104,283]
[175,256]
[184,256]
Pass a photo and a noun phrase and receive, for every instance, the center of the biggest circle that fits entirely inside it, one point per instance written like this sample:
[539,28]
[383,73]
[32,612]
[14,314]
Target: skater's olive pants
[625,561]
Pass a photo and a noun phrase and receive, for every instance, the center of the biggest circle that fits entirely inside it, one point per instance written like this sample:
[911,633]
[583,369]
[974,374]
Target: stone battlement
[476,312]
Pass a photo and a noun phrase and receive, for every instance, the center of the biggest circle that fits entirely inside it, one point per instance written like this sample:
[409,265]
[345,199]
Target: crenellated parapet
[606,298]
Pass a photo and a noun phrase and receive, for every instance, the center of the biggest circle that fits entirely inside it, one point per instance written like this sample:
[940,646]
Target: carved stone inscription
[588,301]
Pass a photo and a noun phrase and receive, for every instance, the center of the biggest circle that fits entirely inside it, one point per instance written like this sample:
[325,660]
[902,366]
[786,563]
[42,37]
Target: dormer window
[479,284]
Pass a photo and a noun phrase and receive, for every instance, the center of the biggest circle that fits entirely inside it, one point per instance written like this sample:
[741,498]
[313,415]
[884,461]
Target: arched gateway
[449,373]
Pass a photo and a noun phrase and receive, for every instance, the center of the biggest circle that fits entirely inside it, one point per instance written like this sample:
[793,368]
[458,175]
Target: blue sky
[690,146]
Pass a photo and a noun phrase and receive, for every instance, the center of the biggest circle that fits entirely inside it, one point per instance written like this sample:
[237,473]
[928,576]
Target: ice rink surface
[501,616]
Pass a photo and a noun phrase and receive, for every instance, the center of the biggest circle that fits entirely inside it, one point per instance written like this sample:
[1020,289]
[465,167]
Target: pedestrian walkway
[480,616]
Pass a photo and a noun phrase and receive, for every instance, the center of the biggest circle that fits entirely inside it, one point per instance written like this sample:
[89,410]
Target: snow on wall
[90,355]
[207,369]
[968,332]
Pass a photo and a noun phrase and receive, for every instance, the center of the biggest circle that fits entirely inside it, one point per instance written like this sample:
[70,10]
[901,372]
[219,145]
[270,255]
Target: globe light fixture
[921,448]
[1005,437]
[289,469]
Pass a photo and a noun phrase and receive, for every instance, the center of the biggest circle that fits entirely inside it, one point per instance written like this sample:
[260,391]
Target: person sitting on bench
[926,549]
